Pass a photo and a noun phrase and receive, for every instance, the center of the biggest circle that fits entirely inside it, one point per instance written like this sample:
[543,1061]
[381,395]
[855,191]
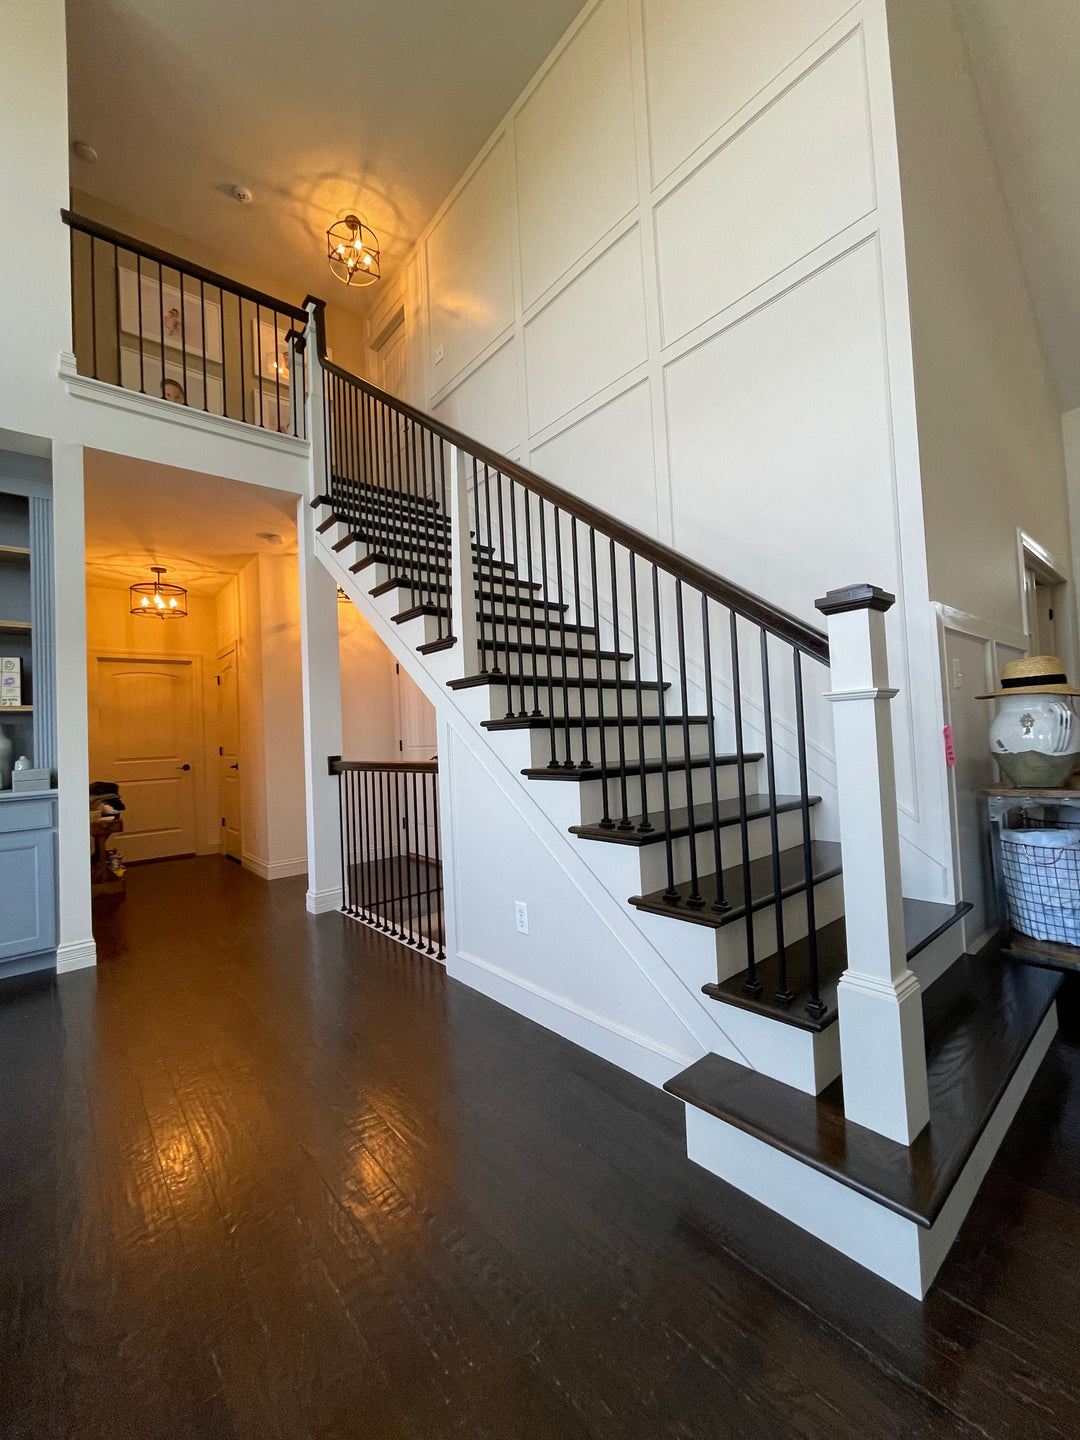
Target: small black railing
[567,596]
[150,321]
[391,870]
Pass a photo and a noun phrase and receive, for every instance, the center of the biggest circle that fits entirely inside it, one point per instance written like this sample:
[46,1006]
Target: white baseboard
[279,870]
[75,955]
[320,901]
[622,1047]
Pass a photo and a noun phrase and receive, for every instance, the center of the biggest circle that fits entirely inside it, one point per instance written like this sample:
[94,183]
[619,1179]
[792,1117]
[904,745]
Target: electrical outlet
[438,355]
[521,917]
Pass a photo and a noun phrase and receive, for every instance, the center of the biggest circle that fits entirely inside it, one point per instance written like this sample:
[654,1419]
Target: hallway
[269,1175]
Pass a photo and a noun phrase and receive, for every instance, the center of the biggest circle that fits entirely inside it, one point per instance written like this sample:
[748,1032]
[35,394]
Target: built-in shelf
[14,627]
[14,554]
[16,710]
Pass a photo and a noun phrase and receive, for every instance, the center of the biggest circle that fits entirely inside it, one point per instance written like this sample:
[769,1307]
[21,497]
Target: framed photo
[174,384]
[276,410]
[271,349]
[197,329]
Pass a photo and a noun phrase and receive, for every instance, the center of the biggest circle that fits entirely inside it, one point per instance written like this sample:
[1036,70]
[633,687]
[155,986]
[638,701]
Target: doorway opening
[1046,620]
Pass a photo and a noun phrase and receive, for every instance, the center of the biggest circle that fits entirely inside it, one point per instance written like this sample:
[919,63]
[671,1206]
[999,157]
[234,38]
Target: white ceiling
[202,528]
[318,108]
[1026,63]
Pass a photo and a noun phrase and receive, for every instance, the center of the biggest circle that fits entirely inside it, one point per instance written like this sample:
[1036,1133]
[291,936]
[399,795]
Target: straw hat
[1037,675]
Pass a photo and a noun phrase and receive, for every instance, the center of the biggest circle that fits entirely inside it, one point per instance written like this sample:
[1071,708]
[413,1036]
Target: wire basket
[1041,872]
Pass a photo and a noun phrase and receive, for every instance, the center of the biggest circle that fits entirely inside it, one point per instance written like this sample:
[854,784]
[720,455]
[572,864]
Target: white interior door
[228,730]
[143,736]
[393,363]
[417,732]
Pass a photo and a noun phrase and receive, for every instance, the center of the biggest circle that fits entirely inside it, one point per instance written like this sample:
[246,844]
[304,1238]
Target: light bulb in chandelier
[157,597]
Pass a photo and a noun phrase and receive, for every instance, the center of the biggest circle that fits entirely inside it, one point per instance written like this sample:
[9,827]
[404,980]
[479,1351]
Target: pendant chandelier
[158,599]
[353,251]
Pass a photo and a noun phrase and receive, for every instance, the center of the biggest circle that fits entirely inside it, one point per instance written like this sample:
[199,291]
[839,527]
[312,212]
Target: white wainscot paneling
[607,459]
[592,333]
[470,269]
[485,405]
[797,175]
[706,59]
[576,160]
[780,446]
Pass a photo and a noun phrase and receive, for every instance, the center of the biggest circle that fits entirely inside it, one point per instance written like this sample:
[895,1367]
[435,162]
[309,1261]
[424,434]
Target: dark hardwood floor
[264,1175]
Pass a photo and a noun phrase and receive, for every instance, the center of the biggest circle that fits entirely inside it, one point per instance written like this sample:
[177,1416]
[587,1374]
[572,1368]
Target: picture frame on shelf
[148,377]
[196,330]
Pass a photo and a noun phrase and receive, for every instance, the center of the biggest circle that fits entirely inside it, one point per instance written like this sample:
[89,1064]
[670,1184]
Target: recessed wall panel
[609,452]
[590,335]
[485,405]
[470,270]
[798,174]
[706,59]
[576,157]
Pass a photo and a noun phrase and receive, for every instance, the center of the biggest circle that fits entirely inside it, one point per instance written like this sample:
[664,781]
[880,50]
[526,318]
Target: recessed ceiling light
[269,536]
[86,152]
[243,194]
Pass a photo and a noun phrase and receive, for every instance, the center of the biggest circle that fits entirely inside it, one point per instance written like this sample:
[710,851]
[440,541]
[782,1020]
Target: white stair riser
[541,743]
[586,806]
[559,701]
[653,870]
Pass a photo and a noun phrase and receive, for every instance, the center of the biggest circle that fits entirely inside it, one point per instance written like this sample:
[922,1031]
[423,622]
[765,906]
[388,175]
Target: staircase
[671,727]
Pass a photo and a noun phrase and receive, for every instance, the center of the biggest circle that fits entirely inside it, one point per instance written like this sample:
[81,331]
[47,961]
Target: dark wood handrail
[784,626]
[176,262]
[336,765]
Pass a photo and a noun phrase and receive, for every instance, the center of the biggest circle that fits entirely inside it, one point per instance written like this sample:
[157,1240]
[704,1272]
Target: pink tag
[950,748]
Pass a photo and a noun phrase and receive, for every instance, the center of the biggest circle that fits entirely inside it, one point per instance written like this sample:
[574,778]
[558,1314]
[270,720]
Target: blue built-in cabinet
[28,888]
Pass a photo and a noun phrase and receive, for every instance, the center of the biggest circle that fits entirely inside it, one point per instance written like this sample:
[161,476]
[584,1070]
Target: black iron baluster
[438,869]
[138,292]
[568,762]
[93,306]
[542,593]
[512,577]
[183,342]
[644,824]
[719,904]
[625,823]
[553,762]
[116,313]
[815,1006]
[601,719]
[671,893]
[342,786]
[161,322]
[427,861]
[784,995]
[481,624]
[206,345]
[575,570]
[695,900]
[752,985]
[509,669]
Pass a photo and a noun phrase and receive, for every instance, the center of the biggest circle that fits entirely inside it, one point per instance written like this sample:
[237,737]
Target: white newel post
[882,1049]
[321,670]
[463,602]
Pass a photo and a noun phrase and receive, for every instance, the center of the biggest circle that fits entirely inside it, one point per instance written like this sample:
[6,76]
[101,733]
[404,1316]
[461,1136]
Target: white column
[462,572]
[883,1053]
[76,947]
[321,683]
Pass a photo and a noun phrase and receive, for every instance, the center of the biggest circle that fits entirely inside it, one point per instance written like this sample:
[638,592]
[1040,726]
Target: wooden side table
[102,880]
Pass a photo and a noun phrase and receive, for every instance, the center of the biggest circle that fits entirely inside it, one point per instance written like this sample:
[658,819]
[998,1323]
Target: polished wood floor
[264,1175]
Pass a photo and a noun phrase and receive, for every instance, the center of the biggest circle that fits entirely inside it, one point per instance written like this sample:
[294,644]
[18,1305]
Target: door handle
[183,767]
[234,767]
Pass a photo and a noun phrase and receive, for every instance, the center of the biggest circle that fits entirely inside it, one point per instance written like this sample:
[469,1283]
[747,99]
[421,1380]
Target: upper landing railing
[152,322]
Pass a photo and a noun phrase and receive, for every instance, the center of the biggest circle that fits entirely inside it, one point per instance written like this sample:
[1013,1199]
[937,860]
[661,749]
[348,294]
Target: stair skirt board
[900,1250]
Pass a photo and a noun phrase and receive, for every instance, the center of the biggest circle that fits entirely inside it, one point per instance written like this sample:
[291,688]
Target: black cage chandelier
[353,251]
[158,599]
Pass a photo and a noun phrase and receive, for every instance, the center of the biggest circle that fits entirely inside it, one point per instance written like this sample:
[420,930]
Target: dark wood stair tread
[924,921]
[973,1049]
[612,770]
[573,683]
[728,812]
[824,864]
[531,648]
[591,722]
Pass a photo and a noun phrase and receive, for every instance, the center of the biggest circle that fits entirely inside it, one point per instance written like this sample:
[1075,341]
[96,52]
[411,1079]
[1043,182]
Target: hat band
[1027,681]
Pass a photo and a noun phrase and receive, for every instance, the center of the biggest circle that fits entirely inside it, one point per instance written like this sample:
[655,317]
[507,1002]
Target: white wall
[990,445]
[674,282]
[369,722]
[1070,427]
[259,613]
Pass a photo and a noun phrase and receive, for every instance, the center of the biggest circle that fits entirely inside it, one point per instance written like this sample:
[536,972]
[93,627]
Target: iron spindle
[814,1006]
[695,899]
[752,985]
[553,762]
[719,904]
[625,823]
[671,893]
[586,762]
[601,719]
[645,824]
[784,995]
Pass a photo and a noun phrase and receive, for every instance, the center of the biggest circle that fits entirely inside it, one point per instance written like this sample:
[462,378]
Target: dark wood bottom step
[977,1034]
[824,864]
[612,771]
[924,921]
[728,812]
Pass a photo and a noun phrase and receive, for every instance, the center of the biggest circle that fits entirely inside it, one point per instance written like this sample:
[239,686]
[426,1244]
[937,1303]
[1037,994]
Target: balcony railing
[152,322]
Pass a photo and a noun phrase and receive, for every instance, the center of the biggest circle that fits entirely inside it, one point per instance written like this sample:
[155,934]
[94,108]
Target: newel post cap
[855,597]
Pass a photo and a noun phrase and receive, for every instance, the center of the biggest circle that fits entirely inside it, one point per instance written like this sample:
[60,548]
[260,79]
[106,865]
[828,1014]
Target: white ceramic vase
[1036,740]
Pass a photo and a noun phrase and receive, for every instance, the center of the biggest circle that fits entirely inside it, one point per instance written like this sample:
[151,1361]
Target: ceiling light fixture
[157,599]
[353,251]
